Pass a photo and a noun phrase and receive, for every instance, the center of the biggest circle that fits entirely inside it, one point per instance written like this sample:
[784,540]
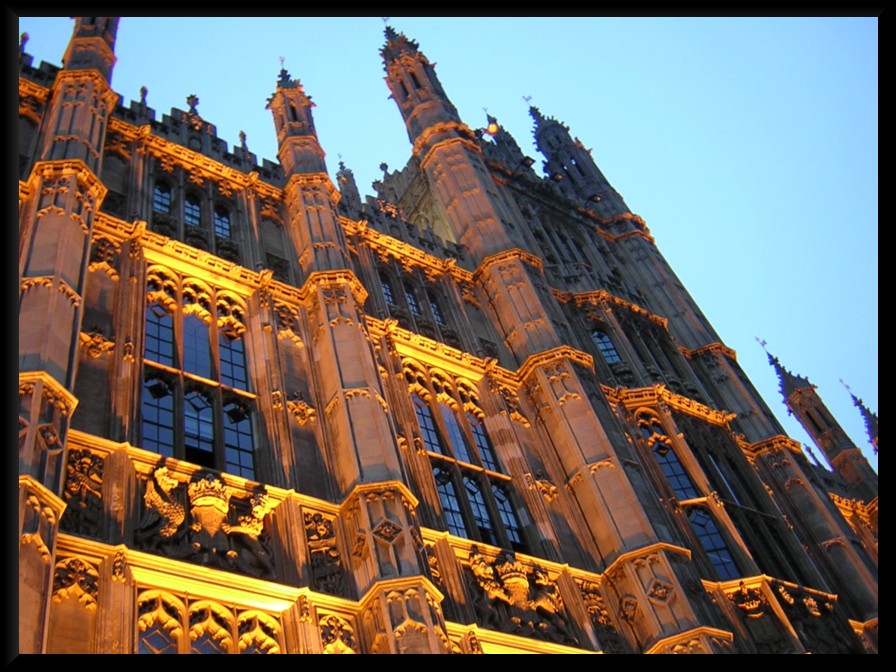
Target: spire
[788,382]
[870,420]
[397,44]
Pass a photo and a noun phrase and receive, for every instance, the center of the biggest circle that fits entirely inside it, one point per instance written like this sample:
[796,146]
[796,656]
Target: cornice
[192,161]
[29,88]
[641,552]
[407,255]
[717,347]
[464,136]
[55,391]
[601,296]
[633,398]
[507,255]
[541,359]
[772,444]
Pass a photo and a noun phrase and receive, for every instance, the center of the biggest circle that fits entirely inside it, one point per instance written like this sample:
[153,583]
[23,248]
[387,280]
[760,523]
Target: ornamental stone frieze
[82,493]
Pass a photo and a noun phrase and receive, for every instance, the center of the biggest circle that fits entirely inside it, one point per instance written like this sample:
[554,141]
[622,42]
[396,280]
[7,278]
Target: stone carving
[510,597]
[37,526]
[327,572]
[541,483]
[813,619]
[164,510]
[336,635]
[609,638]
[95,343]
[224,531]
[300,410]
[659,592]
[76,578]
[82,493]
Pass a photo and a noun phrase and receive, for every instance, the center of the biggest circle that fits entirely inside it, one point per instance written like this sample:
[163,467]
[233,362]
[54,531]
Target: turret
[802,400]
[571,164]
[414,85]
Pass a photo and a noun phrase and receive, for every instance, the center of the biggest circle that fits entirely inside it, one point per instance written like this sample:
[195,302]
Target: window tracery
[473,489]
[169,624]
[197,404]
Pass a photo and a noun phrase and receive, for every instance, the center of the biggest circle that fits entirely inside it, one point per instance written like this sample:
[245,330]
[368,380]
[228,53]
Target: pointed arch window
[169,624]
[196,403]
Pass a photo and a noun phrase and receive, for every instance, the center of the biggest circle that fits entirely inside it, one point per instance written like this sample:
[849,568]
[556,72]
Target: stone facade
[475,413]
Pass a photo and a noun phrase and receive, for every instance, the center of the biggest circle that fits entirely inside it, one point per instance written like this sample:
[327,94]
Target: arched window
[413,304]
[436,309]
[222,222]
[192,211]
[388,292]
[161,198]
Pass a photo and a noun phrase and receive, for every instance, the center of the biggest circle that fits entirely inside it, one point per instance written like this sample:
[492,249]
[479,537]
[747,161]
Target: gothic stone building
[477,413]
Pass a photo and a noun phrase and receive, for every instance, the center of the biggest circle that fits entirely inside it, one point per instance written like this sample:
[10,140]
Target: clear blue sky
[749,145]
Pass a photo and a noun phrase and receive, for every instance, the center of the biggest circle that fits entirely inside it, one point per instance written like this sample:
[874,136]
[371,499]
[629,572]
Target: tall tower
[361,444]
[57,207]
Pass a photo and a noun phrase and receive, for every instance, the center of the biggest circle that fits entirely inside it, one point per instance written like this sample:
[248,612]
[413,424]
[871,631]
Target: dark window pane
[238,441]
[605,346]
[480,511]
[157,430]
[508,516]
[450,505]
[199,429]
[161,198]
[233,362]
[676,475]
[197,356]
[413,305]
[483,445]
[156,640]
[713,543]
[192,211]
[436,310]
[222,223]
[431,440]
[388,294]
[159,346]
[455,434]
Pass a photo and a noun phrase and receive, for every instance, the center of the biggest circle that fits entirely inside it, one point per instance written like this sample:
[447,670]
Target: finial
[22,42]
[527,99]
[143,92]
[243,140]
[384,167]
[762,342]
[848,388]
[282,61]
[193,101]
